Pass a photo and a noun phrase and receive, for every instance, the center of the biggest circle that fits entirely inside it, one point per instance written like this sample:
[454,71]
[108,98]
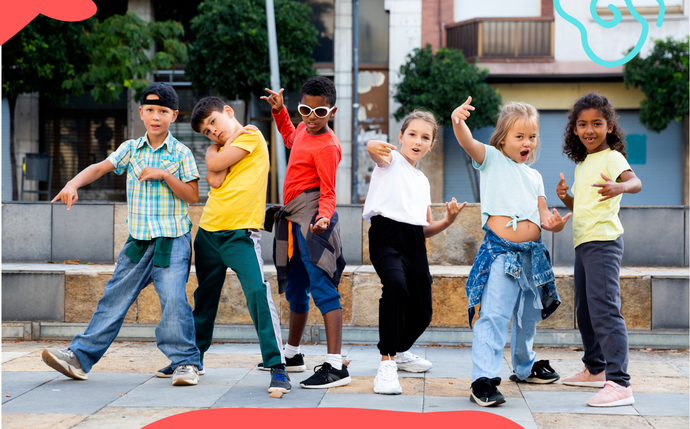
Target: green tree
[38,59]
[663,77]
[440,82]
[229,56]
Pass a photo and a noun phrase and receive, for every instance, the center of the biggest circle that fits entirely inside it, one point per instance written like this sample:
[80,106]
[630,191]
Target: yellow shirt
[594,220]
[240,202]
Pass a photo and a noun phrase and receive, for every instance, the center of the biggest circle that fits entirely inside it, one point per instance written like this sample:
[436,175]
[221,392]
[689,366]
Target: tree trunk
[13,159]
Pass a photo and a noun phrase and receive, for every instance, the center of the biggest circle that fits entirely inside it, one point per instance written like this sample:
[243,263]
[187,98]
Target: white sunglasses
[320,112]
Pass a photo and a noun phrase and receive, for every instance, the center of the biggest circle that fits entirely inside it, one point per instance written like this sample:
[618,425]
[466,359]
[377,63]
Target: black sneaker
[542,373]
[293,364]
[484,392]
[326,376]
[167,372]
[280,381]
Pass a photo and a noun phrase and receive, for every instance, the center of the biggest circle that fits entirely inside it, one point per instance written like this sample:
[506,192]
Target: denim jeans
[175,334]
[304,277]
[504,297]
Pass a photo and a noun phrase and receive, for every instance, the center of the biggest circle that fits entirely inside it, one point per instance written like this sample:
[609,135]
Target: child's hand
[275,99]
[150,173]
[453,209]
[68,195]
[247,129]
[461,113]
[555,223]
[381,150]
[562,188]
[321,226]
[609,189]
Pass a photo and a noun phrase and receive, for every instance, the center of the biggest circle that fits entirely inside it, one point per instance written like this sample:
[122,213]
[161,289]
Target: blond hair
[509,115]
[424,116]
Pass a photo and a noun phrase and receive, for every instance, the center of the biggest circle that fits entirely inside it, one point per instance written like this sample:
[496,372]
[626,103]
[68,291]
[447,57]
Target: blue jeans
[504,297]
[175,333]
[304,277]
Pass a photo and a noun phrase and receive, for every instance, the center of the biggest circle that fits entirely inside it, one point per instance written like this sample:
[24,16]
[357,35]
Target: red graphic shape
[15,15]
[331,418]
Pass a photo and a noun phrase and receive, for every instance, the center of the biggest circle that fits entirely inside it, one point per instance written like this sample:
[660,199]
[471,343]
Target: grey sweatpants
[598,302]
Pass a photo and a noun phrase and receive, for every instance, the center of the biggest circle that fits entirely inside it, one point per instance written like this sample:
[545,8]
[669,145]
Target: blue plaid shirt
[153,210]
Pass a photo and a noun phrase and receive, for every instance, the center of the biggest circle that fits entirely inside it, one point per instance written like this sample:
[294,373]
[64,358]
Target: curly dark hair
[572,146]
[319,86]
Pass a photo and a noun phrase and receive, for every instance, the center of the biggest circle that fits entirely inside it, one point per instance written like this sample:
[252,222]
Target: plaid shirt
[153,210]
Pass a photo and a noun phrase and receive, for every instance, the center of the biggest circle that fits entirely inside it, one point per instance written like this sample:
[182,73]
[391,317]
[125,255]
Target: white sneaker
[409,362]
[386,381]
[185,375]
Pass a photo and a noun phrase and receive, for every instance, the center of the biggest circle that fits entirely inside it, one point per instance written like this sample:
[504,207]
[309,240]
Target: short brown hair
[509,115]
[203,110]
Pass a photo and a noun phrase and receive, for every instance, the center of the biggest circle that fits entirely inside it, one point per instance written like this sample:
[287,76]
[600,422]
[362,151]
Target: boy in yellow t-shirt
[228,235]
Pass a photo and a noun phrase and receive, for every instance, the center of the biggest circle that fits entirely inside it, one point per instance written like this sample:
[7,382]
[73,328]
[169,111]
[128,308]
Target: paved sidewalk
[123,393]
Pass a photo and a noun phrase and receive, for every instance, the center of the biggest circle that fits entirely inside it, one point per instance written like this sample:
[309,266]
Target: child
[309,220]
[398,207]
[228,235]
[511,275]
[595,141]
[162,180]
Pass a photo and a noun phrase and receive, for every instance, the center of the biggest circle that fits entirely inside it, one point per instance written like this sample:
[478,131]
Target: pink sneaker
[612,395]
[586,379]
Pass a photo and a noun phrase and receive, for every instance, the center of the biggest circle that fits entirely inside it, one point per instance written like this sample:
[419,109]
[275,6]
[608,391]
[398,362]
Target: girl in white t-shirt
[511,275]
[398,207]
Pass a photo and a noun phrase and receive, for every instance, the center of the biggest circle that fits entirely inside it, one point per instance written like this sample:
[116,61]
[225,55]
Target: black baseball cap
[167,94]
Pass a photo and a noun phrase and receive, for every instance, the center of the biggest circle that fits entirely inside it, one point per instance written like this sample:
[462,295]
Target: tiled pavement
[122,393]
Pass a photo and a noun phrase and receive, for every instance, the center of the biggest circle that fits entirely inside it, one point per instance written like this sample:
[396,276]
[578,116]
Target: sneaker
[585,378]
[326,376]
[612,395]
[293,364]
[386,381]
[167,372]
[484,392]
[185,375]
[64,361]
[542,373]
[409,362]
[280,381]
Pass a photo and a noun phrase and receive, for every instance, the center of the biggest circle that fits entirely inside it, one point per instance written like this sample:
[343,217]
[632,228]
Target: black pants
[398,253]
[598,302]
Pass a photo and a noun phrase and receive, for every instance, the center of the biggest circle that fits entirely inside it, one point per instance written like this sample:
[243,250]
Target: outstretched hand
[68,195]
[461,113]
[275,99]
[381,150]
[609,188]
[555,223]
[320,226]
[453,209]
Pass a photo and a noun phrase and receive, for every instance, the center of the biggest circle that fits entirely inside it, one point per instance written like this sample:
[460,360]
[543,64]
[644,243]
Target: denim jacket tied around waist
[542,273]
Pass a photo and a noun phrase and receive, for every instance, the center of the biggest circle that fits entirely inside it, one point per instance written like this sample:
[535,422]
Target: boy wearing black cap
[162,180]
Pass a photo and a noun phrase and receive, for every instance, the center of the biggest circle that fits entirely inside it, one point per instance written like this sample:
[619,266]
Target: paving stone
[158,392]
[668,422]
[565,421]
[252,392]
[8,356]
[686,369]
[18,383]
[40,421]
[365,385]
[128,418]
[373,401]
[462,387]
[69,396]
[514,409]
[571,403]
[655,404]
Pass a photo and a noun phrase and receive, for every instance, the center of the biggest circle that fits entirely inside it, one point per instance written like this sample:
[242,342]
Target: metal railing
[496,39]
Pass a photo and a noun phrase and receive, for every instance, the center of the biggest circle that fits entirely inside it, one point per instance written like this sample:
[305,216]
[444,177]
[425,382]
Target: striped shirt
[153,210]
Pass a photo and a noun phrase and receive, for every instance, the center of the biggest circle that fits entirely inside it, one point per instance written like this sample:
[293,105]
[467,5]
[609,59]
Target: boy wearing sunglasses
[307,248]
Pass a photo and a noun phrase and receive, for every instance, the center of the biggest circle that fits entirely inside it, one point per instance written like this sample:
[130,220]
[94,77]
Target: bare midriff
[526,230]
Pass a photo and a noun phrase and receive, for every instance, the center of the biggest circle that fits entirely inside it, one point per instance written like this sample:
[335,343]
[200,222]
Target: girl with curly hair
[595,141]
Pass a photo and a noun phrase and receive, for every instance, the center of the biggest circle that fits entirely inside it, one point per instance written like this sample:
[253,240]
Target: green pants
[240,251]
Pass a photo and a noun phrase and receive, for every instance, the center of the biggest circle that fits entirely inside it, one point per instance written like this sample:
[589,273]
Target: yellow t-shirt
[594,220]
[240,202]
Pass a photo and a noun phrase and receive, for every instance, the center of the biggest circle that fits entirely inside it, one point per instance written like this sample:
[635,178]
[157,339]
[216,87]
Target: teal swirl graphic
[617,16]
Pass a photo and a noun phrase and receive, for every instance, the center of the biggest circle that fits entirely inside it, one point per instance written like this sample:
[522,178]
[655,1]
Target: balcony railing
[503,39]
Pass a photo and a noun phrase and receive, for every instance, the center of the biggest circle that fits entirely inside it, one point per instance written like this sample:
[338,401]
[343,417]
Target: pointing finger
[603,176]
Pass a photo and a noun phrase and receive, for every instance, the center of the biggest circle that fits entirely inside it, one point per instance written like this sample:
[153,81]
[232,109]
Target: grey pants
[598,302]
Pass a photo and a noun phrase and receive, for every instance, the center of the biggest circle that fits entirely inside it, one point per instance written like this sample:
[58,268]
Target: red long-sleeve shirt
[313,162]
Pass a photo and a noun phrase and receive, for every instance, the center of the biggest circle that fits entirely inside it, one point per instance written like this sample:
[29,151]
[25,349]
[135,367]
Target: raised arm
[630,183]
[474,149]
[380,152]
[281,116]
[436,226]
[68,195]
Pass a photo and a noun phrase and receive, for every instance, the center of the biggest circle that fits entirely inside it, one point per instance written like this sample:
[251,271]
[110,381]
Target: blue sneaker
[280,381]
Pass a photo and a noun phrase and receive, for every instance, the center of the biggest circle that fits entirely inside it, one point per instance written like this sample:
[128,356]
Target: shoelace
[280,377]
[408,357]
[322,370]
[544,366]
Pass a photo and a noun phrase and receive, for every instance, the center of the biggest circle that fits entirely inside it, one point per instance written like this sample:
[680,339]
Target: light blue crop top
[508,188]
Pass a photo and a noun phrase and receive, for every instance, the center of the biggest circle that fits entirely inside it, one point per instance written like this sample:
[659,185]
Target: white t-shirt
[508,188]
[399,192]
